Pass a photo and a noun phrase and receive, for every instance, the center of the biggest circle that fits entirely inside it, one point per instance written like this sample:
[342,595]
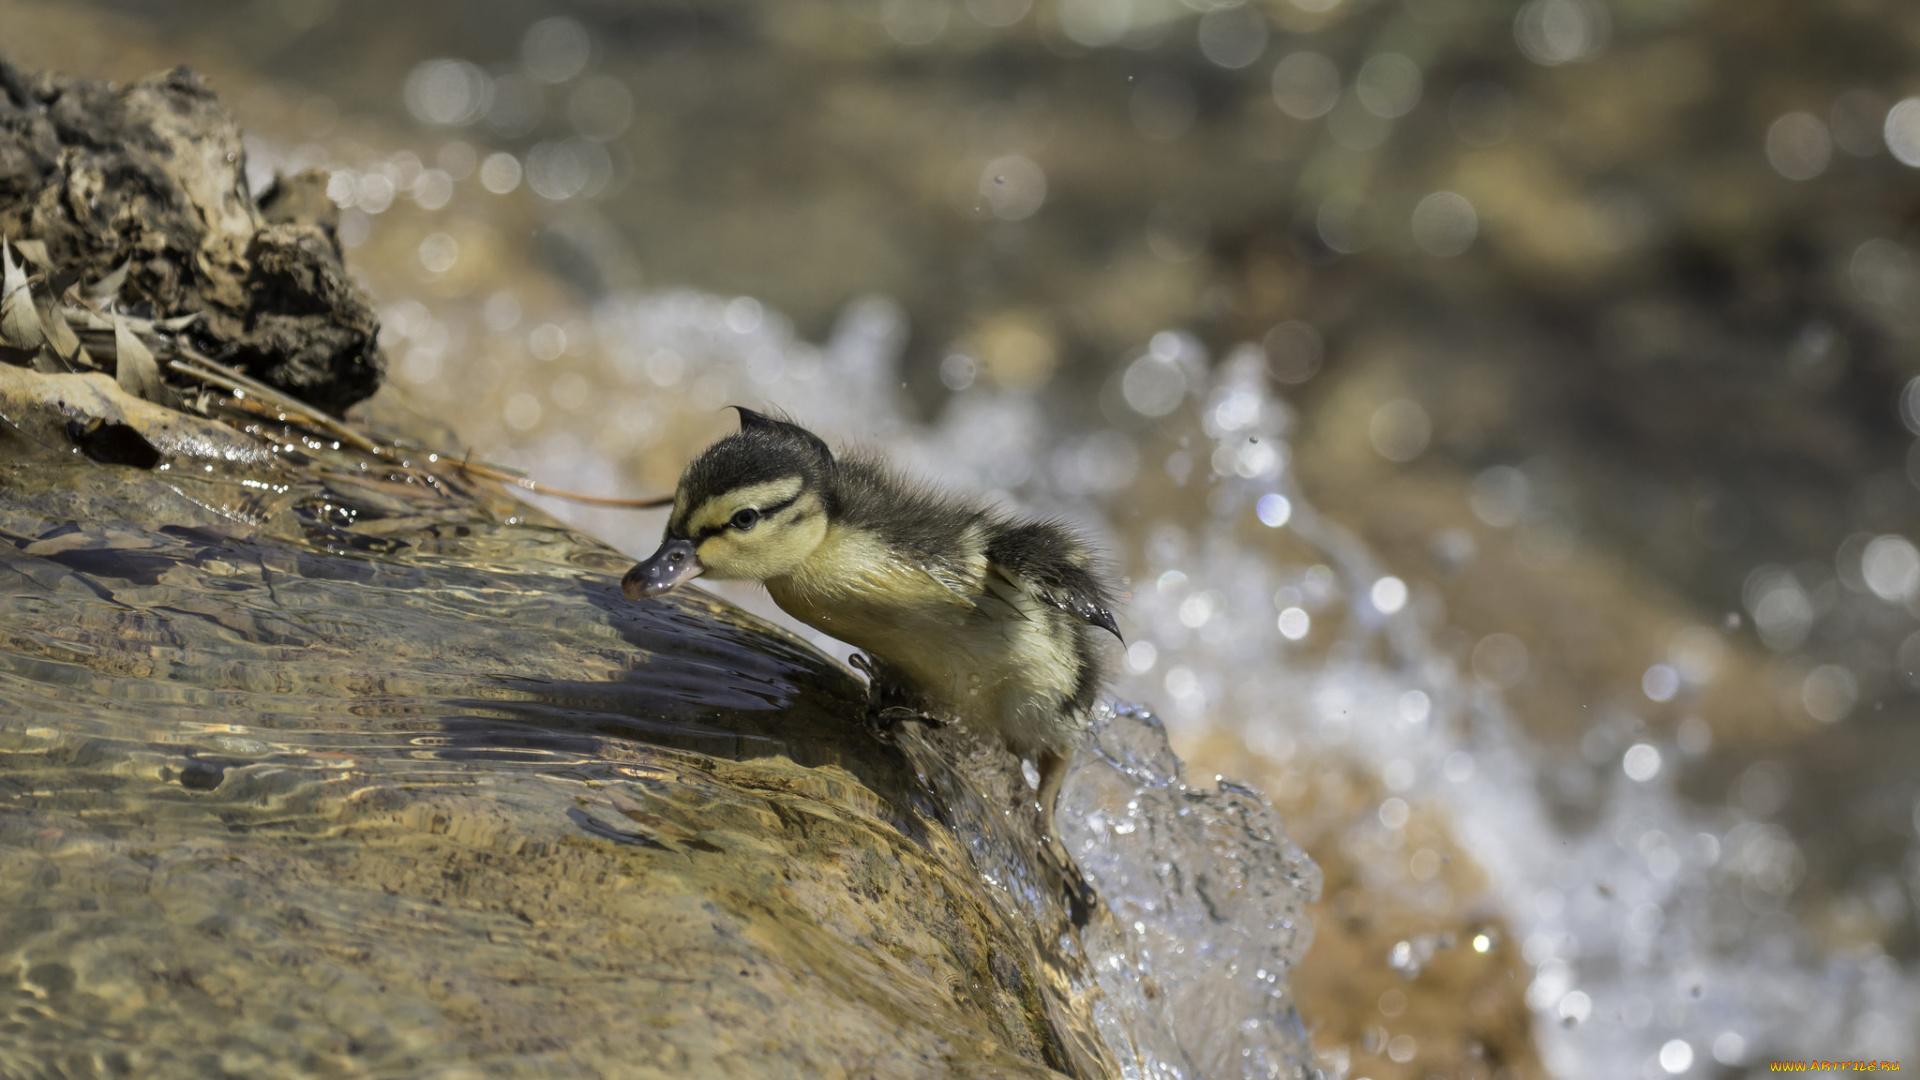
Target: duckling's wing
[1050,564]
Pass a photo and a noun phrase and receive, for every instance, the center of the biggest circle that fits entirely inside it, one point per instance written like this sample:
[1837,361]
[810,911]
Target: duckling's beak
[674,564]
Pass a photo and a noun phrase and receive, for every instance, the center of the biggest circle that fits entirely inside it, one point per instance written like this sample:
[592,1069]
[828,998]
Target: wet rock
[152,175]
[451,799]
[91,414]
[332,763]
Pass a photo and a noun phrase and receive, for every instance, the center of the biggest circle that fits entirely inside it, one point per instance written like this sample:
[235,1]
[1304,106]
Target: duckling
[961,611]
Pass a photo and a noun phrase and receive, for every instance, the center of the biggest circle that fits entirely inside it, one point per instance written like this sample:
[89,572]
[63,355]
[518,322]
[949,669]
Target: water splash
[1207,899]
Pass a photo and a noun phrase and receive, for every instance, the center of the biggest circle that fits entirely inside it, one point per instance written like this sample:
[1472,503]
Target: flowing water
[1630,627]
[315,766]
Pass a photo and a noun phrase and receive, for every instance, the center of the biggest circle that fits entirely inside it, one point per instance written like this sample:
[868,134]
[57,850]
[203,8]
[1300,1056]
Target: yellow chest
[1000,659]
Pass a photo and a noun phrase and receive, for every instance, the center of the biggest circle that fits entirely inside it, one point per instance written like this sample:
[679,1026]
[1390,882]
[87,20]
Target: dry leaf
[107,289]
[135,368]
[60,336]
[35,252]
[19,321]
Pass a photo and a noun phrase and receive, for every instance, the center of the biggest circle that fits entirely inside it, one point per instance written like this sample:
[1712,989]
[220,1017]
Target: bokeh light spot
[500,173]
[1641,762]
[1500,496]
[1554,32]
[1660,682]
[1014,187]
[1153,386]
[555,50]
[1273,510]
[432,190]
[1095,23]
[1306,85]
[1342,224]
[1882,271]
[1829,693]
[1415,707]
[1233,36]
[438,252]
[1902,132]
[563,169]
[1445,224]
[1141,656]
[374,192]
[914,22]
[450,93]
[1500,661]
[998,13]
[1295,623]
[958,370]
[1389,595]
[1400,430]
[522,412]
[1890,566]
[547,342]
[1799,146]
[1388,85]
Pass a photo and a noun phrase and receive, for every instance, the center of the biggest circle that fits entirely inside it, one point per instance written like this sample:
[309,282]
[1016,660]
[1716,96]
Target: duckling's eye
[745,519]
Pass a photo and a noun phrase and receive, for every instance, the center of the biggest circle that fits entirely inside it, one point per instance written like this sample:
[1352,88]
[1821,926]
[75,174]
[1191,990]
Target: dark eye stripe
[772,510]
[716,530]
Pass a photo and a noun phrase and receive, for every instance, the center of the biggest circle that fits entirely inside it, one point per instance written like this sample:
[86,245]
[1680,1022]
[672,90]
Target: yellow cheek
[779,546]
[743,556]
[723,557]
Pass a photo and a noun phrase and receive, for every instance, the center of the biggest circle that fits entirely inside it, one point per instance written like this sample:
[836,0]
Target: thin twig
[239,381]
[266,399]
[490,473]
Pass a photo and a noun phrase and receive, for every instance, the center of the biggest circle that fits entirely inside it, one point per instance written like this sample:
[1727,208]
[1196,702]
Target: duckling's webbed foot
[890,702]
[883,721]
[1078,896]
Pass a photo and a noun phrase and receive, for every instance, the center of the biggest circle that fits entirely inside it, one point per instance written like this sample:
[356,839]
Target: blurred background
[1501,411]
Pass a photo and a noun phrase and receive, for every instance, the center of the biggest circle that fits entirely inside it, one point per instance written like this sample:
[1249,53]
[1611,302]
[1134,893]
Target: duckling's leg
[1052,765]
[1079,895]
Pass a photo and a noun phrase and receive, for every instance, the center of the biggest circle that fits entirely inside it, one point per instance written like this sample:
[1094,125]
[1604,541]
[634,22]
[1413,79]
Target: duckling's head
[753,506]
